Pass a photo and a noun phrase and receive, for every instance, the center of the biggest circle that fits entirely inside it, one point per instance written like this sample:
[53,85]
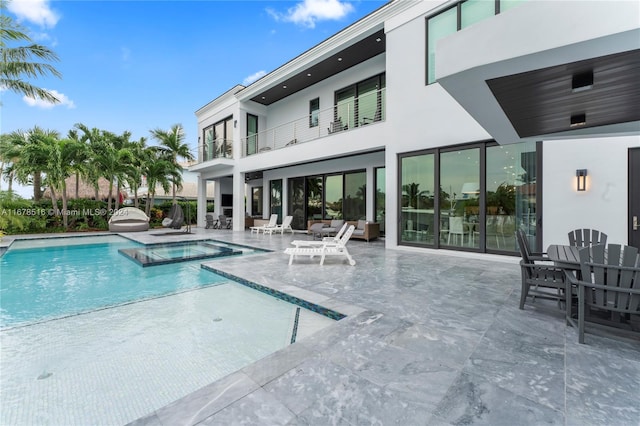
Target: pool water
[86,273]
[146,336]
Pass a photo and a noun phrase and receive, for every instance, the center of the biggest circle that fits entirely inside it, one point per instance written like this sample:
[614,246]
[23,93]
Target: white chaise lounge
[273,221]
[285,226]
[326,249]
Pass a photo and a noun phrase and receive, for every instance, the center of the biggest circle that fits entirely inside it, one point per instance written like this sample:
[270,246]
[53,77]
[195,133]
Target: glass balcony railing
[217,148]
[347,115]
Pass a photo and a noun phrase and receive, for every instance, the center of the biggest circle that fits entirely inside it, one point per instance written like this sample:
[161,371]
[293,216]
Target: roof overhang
[537,89]
[213,166]
[359,42]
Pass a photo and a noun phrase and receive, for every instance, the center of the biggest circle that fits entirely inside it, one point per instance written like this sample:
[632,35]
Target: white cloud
[253,77]
[309,12]
[39,103]
[34,11]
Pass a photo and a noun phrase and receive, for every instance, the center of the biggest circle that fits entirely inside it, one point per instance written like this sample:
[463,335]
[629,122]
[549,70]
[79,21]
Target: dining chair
[456,227]
[586,237]
[608,289]
[540,278]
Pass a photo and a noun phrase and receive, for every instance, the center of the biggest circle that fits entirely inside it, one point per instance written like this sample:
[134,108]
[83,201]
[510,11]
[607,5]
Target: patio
[430,339]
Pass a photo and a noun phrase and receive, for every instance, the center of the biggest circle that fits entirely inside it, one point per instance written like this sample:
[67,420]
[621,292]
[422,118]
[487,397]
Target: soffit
[363,50]
[542,102]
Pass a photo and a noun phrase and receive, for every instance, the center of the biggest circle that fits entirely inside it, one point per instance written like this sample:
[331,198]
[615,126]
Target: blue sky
[140,65]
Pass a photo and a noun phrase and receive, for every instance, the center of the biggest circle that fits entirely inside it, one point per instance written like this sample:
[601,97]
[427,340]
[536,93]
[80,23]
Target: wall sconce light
[581,178]
[235,123]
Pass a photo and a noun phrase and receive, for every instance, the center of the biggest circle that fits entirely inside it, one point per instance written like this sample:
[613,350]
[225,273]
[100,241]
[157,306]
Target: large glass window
[252,134]
[345,107]
[438,27]
[464,14]
[296,206]
[218,140]
[485,192]
[208,144]
[256,201]
[314,197]
[510,195]
[355,190]
[472,11]
[314,110]
[459,195]
[333,197]
[275,198]
[361,103]
[381,189]
[417,199]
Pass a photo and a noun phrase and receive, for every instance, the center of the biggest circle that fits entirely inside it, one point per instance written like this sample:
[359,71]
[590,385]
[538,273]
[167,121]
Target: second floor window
[314,110]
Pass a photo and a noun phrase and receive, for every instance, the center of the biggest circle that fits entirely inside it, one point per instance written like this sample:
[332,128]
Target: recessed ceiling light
[284,87]
[578,120]
[378,39]
[308,74]
[582,81]
[339,59]
[264,97]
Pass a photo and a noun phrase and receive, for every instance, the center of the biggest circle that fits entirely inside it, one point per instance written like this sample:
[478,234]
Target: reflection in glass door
[314,198]
[296,207]
[417,199]
[510,195]
[381,188]
[460,198]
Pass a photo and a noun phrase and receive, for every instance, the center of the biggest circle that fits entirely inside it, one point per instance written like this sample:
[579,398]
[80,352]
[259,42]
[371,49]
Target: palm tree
[18,61]
[64,157]
[157,169]
[134,172]
[94,139]
[8,155]
[173,146]
[29,170]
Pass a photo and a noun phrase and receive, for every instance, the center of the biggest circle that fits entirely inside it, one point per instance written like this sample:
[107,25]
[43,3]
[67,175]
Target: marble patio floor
[430,338]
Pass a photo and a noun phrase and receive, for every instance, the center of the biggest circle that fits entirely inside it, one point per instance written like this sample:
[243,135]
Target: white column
[238,201]
[370,208]
[217,198]
[202,202]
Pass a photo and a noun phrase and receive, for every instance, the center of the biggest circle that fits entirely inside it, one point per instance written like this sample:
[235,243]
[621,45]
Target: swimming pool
[114,364]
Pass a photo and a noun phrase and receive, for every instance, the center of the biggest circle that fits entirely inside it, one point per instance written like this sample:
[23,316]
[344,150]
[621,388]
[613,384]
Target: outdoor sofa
[364,230]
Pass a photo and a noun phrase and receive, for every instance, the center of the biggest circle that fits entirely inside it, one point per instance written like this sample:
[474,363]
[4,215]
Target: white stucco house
[451,123]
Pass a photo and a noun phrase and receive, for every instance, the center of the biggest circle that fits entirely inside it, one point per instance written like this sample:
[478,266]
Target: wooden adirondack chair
[586,237]
[609,284]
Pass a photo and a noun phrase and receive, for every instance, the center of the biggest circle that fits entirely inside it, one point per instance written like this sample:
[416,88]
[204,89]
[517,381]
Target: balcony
[215,149]
[351,114]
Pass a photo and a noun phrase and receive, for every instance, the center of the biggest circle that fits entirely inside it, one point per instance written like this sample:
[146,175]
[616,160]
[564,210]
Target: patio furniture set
[602,280]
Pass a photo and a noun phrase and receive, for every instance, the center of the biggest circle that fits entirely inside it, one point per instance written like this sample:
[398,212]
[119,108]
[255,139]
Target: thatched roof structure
[86,190]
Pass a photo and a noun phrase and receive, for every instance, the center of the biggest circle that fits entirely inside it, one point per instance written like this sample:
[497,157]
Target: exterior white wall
[297,105]
[419,116]
[604,205]
[363,162]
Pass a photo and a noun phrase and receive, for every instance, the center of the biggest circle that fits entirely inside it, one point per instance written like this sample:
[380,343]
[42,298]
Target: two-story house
[451,123]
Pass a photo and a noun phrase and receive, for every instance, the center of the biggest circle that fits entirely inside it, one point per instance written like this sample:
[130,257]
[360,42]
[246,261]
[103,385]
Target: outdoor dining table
[564,257]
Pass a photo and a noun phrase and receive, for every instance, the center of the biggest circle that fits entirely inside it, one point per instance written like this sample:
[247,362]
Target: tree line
[44,158]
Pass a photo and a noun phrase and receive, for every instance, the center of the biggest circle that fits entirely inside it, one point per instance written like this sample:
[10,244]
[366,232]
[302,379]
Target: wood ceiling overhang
[363,50]
[543,101]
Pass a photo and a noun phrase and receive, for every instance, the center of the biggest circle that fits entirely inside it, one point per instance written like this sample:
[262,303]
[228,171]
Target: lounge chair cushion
[336,224]
[317,227]
[361,224]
